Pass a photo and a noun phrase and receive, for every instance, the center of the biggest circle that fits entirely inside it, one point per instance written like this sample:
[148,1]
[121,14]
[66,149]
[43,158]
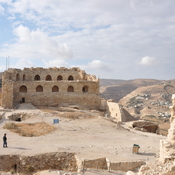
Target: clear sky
[113,39]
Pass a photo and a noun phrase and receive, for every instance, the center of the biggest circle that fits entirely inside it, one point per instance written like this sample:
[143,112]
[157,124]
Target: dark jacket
[4,138]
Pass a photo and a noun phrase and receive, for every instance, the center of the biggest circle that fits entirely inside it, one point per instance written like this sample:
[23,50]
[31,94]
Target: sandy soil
[89,138]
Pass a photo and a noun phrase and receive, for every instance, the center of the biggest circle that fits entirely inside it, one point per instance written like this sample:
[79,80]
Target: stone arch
[70,89]
[55,89]
[48,78]
[59,78]
[23,89]
[39,88]
[17,77]
[85,89]
[37,78]
[70,78]
[24,77]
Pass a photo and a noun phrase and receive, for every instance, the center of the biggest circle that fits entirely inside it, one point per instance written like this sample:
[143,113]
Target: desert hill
[117,89]
[153,100]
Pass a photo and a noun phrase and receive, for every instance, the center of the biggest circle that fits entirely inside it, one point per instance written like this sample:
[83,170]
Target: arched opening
[55,89]
[48,78]
[59,78]
[24,77]
[39,88]
[17,77]
[37,78]
[70,89]
[70,78]
[23,89]
[85,89]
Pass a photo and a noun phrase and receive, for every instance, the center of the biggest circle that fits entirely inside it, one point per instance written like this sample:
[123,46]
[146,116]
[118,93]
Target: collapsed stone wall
[27,165]
[116,111]
[50,87]
[30,164]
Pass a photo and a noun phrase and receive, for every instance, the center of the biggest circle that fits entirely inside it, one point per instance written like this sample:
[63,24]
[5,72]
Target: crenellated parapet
[62,73]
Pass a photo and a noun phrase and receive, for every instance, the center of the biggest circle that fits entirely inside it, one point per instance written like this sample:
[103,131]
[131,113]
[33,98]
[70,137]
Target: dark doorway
[23,100]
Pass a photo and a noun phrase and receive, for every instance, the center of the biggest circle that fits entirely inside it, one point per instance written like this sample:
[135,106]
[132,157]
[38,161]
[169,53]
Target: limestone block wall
[104,164]
[50,87]
[126,166]
[30,164]
[26,165]
[28,74]
[7,94]
[100,163]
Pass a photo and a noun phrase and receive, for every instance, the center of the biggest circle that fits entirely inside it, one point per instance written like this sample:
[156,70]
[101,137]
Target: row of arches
[39,88]
[47,78]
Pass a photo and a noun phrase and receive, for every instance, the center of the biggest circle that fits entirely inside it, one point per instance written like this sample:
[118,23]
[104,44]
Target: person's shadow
[147,154]
[19,148]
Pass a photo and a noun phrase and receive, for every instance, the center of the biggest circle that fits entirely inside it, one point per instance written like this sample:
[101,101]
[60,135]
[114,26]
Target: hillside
[117,89]
[153,100]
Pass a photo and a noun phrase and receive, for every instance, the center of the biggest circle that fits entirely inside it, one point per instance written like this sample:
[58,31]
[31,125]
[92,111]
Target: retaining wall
[27,165]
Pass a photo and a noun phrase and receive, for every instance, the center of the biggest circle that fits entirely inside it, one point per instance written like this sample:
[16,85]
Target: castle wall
[7,94]
[50,87]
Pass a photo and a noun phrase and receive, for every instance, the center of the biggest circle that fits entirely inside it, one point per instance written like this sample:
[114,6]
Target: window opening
[24,77]
[37,78]
[23,89]
[39,88]
[85,89]
[48,78]
[17,77]
[55,89]
[70,89]
[59,78]
[70,77]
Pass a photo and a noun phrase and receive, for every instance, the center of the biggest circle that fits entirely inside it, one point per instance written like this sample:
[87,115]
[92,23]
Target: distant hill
[117,89]
[110,82]
[146,99]
[153,100]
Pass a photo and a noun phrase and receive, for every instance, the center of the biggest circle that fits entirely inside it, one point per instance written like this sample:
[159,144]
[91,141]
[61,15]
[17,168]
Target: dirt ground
[90,138]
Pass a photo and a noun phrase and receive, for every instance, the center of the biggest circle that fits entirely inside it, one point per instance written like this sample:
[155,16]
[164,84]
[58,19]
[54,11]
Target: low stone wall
[30,164]
[27,165]
[105,164]
[95,164]
[126,166]
[9,162]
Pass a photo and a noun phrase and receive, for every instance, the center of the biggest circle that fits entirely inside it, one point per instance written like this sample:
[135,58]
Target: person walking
[5,141]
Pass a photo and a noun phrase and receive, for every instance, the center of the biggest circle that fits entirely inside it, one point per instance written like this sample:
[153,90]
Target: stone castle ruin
[49,87]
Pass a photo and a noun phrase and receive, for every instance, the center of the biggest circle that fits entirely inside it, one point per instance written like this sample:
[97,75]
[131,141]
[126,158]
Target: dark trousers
[5,144]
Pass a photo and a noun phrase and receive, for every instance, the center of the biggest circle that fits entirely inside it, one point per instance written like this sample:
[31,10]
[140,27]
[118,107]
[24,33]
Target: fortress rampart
[50,87]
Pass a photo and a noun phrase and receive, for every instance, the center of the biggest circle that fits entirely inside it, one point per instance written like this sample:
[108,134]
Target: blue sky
[113,39]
